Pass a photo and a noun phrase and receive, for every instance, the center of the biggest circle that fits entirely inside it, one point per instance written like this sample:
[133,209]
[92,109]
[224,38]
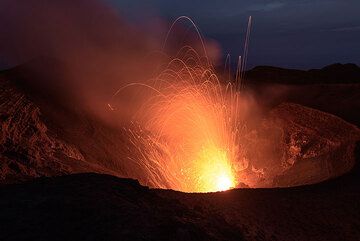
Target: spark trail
[188,132]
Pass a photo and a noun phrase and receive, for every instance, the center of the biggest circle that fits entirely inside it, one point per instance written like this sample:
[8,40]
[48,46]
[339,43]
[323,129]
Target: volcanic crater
[45,146]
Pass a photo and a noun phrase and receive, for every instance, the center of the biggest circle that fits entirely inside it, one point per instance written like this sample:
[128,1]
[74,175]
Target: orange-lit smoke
[190,126]
[186,120]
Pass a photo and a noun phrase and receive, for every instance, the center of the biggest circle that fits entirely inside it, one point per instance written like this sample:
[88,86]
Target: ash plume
[96,49]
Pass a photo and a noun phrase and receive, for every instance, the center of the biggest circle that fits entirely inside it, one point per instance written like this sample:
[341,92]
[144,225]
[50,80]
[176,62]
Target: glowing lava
[215,171]
[195,136]
[188,130]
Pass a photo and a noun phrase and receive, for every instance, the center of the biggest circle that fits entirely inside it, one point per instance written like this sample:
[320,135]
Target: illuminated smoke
[186,121]
[189,129]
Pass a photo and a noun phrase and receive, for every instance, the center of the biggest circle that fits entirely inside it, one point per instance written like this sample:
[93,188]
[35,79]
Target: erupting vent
[189,127]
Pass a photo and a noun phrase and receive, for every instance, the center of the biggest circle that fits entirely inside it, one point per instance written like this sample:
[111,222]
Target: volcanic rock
[29,148]
[43,141]
[293,145]
[331,74]
[296,145]
[102,207]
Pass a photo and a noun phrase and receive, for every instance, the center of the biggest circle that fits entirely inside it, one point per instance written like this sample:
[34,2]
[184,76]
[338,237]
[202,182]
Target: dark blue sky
[292,33]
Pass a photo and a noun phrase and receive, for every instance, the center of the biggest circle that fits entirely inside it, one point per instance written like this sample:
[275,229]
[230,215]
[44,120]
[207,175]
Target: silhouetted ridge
[331,74]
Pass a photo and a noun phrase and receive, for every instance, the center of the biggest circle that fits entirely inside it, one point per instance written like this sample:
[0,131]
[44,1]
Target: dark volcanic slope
[100,207]
[28,147]
[334,89]
[40,135]
[332,74]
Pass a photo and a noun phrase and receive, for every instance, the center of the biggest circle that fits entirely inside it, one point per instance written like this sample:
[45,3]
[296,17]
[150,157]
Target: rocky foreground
[101,207]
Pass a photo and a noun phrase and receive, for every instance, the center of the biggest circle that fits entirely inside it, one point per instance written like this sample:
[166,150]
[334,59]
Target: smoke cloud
[96,51]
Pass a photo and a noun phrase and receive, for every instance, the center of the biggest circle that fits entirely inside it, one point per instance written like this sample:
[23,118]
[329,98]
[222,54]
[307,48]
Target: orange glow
[215,172]
[193,134]
[189,127]
[194,125]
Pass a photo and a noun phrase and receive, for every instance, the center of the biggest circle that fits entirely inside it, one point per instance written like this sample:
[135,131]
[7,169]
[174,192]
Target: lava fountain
[187,132]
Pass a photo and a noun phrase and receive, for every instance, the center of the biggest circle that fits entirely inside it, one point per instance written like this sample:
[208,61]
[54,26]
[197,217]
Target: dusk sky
[293,33]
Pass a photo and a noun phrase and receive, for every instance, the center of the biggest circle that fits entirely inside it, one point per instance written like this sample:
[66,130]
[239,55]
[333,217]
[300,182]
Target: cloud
[346,29]
[265,7]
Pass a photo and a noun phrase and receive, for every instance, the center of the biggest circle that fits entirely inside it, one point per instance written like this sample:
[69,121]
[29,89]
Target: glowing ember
[188,130]
[215,171]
